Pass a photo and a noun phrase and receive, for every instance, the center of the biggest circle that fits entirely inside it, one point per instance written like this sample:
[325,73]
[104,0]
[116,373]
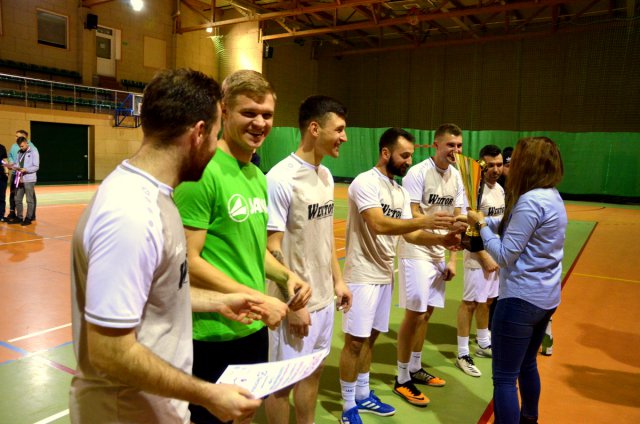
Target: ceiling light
[137,5]
[209,30]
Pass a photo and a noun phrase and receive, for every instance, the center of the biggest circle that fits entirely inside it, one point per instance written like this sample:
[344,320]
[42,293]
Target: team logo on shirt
[435,199]
[388,211]
[318,211]
[495,211]
[240,208]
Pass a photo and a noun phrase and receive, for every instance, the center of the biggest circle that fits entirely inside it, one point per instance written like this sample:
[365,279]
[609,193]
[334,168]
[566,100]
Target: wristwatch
[480,224]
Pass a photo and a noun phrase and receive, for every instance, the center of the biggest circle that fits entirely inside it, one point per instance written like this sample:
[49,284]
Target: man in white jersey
[300,232]
[481,273]
[379,212]
[131,296]
[434,185]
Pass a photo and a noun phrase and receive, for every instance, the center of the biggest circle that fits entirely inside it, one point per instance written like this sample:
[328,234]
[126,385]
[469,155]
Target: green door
[64,152]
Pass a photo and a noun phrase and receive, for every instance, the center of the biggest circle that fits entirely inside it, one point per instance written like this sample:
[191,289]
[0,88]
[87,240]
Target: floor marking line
[37,239]
[53,417]
[37,333]
[55,365]
[606,278]
[14,348]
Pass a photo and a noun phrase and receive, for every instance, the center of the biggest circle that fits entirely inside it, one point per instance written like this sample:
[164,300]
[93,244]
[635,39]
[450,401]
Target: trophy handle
[483,167]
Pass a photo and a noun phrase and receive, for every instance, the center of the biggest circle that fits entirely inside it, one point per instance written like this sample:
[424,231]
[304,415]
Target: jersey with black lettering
[230,203]
[370,256]
[435,190]
[129,270]
[301,205]
[491,205]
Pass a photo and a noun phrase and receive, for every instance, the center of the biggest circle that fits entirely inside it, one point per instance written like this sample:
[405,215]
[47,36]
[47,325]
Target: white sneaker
[484,352]
[465,363]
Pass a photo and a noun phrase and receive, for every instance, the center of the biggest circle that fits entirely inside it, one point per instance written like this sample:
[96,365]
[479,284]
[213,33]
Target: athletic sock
[403,372]
[463,346]
[484,337]
[348,389]
[416,362]
[362,386]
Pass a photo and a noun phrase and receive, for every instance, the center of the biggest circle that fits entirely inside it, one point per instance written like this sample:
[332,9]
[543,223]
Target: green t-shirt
[230,202]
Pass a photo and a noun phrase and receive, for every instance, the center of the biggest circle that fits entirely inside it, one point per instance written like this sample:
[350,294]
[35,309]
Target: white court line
[54,417]
[38,239]
[37,333]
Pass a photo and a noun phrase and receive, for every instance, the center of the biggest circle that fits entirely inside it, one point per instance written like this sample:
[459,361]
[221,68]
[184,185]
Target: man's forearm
[124,359]
[207,276]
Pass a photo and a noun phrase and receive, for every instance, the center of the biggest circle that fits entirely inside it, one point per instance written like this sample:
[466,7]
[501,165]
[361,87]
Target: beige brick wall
[109,145]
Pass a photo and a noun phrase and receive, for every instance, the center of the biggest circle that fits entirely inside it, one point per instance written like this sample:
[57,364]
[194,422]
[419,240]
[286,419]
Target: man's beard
[398,171]
[192,170]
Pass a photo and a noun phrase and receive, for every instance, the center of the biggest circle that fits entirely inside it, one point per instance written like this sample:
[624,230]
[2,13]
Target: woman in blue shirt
[529,253]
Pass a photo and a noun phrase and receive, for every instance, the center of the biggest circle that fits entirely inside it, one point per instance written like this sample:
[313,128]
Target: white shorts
[421,284]
[480,285]
[283,345]
[370,309]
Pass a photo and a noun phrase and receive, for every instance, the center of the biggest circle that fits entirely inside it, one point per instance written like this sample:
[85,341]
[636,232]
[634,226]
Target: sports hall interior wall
[582,89]
[140,30]
[583,86]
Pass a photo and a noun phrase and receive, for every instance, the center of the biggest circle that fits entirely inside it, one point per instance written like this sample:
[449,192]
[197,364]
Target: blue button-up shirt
[531,250]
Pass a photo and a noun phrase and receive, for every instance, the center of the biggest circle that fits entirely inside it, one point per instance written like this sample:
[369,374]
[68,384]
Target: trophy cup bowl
[472,172]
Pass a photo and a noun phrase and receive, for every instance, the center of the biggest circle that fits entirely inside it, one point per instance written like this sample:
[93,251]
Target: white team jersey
[369,256]
[435,191]
[301,205]
[492,205]
[129,270]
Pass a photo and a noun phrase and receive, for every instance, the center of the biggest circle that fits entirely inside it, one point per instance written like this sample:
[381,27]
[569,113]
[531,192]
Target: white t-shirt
[301,205]
[369,256]
[435,190]
[492,205]
[129,270]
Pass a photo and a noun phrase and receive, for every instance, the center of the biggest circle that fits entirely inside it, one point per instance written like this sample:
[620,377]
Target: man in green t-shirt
[225,219]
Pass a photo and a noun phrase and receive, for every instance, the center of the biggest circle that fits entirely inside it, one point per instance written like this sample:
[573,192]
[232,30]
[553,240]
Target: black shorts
[210,359]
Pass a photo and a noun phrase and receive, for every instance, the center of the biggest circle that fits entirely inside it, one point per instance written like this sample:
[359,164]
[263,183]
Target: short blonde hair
[250,83]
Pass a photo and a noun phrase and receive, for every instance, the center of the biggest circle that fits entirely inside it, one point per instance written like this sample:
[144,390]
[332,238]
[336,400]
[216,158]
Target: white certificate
[269,377]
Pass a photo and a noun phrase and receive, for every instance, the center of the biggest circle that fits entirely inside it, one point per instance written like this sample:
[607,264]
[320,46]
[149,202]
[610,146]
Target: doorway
[64,152]
[105,52]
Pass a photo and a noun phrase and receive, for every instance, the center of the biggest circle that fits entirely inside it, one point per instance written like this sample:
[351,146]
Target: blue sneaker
[373,405]
[351,416]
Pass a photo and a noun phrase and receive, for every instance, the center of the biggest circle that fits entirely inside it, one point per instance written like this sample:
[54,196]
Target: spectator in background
[25,177]
[4,178]
[13,158]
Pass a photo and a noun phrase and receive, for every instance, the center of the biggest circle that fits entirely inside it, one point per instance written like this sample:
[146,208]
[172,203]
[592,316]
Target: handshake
[454,225]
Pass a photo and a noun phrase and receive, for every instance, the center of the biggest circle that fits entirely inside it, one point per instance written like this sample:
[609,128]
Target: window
[52,29]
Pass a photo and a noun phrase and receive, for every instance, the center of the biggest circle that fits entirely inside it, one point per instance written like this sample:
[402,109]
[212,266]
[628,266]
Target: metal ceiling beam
[283,14]
[532,17]
[91,3]
[586,8]
[500,8]
[466,41]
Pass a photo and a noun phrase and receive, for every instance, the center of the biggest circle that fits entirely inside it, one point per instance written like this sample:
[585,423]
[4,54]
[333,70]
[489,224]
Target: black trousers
[210,359]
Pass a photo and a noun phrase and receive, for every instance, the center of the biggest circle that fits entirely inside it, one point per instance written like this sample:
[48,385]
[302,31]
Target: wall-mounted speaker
[267,52]
[92,21]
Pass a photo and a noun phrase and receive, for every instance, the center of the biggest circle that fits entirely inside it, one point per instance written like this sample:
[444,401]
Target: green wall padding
[595,163]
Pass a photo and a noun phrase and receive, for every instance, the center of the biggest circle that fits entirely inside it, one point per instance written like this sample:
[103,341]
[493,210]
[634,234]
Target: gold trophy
[472,172]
